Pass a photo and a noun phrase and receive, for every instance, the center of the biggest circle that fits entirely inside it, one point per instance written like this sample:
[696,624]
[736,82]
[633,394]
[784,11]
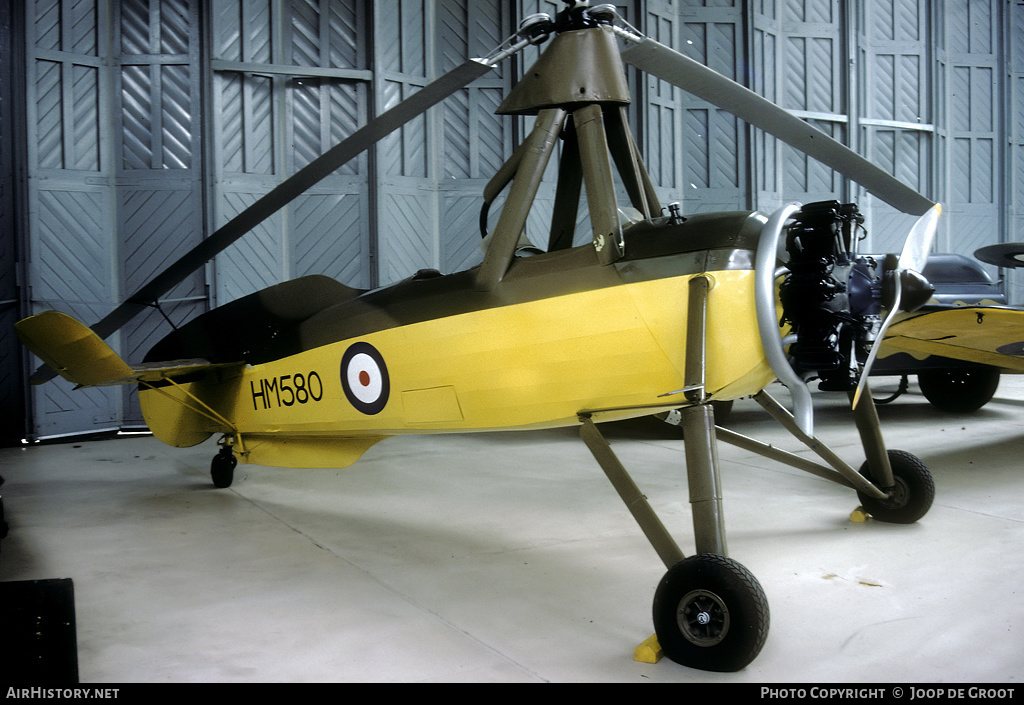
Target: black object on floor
[38,640]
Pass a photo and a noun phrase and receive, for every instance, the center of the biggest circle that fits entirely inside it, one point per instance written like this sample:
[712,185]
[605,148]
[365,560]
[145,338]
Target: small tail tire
[222,468]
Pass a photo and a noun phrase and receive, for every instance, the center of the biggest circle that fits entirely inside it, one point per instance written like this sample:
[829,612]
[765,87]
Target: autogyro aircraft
[661,313]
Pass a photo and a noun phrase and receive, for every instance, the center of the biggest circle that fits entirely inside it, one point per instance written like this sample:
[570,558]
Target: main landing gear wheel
[961,390]
[222,468]
[710,613]
[910,498]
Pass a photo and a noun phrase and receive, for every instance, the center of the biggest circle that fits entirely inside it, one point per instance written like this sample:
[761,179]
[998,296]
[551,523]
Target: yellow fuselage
[615,352]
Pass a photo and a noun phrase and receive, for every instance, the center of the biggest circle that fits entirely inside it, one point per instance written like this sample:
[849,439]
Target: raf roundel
[364,377]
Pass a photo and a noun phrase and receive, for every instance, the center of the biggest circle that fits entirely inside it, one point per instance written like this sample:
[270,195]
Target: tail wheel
[911,496]
[710,613]
[222,468]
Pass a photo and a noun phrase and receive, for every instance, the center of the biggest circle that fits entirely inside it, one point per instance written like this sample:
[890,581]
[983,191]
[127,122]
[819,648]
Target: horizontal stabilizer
[80,356]
[987,335]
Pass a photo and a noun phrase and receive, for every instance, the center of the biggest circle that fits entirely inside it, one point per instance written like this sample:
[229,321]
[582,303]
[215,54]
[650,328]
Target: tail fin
[79,355]
[72,349]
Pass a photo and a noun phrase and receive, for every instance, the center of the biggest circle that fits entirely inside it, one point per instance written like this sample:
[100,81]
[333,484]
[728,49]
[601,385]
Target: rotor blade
[284,193]
[692,76]
[914,255]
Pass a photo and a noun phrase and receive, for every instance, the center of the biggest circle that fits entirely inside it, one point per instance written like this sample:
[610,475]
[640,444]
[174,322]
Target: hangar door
[11,385]
[860,72]
[150,123]
[114,164]
[290,80]
[920,88]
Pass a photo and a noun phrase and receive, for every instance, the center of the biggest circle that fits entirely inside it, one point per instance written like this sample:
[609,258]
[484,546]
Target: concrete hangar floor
[508,557]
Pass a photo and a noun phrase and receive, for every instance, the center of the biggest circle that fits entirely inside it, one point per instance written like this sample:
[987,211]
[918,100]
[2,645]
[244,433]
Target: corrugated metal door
[408,208]
[157,157]
[475,140]
[292,79]
[12,407]
[896,117]
[798,62]
[972,149]
[73,258]
[114,191]
[660,133]
[714,144]
[431,173]
[1014,232]
[289,81]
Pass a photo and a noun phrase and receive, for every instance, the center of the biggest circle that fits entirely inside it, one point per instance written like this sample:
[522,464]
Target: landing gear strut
[709,611]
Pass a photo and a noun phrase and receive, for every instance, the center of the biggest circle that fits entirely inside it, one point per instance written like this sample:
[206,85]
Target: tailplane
[80,356]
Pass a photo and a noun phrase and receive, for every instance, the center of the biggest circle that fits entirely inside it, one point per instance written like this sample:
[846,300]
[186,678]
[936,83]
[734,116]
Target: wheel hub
[703,618]
[898,495]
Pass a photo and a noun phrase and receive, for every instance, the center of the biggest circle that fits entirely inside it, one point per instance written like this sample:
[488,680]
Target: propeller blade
[281,195]
[692,76]
[919,240]
[913,258]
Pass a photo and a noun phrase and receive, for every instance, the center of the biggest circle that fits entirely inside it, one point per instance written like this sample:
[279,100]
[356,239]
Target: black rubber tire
[912,495]
[222,469]
[959,390]
[710,613]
